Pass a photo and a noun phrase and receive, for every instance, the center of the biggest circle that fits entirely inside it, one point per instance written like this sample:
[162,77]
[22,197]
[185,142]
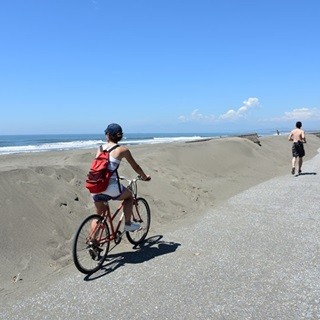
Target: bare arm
[290,136]
[303,137]
[128,156]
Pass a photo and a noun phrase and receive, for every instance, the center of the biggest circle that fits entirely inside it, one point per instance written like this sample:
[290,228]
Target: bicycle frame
[92,240]
[109,218]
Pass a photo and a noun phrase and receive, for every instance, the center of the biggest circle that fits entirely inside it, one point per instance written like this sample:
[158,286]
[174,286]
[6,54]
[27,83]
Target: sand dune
[43,198]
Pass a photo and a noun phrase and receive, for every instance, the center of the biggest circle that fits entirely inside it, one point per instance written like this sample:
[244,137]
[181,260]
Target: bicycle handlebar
[132,180]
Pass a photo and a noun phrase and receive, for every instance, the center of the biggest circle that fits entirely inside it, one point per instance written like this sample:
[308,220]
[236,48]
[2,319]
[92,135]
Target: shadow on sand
[149,249]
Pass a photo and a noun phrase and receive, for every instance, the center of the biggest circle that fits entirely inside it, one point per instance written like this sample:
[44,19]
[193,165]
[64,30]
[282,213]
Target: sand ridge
[43,199]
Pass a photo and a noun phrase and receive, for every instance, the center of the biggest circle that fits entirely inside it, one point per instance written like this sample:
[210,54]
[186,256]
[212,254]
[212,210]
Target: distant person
[278,132]
[115,190]
[298,137]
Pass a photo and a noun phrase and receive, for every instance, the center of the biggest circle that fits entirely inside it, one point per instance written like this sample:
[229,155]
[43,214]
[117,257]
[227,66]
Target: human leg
[126,197]
[294,159]
[295,155]
[300,164]
[117,191]
[301,155]
[100,207]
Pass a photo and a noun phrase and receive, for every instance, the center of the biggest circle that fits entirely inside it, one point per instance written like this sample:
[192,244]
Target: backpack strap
[118,180]
[108,150]
[116,170]
[112,148]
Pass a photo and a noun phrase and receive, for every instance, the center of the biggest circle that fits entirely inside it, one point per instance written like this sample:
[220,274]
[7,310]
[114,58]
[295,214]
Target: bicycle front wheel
[141,214]
[91,244]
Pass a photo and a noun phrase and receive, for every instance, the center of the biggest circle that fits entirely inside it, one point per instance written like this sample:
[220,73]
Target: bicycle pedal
[95,253]
[92,253]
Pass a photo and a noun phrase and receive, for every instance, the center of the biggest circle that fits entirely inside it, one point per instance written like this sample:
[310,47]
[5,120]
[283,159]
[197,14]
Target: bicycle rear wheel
[141,214]
[91,244]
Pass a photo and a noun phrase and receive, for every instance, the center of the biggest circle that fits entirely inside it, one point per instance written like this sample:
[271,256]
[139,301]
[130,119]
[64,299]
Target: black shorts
[298,149]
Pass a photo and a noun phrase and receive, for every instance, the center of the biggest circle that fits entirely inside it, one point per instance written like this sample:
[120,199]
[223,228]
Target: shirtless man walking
[298,137]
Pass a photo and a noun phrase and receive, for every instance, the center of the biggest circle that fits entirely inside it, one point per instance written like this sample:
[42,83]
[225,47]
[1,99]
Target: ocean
[10,144]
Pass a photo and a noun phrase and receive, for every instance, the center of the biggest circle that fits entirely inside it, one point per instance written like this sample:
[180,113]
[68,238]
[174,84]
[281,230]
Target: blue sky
[73,66]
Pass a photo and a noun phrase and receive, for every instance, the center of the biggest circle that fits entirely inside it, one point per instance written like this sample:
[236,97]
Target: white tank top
[113,163]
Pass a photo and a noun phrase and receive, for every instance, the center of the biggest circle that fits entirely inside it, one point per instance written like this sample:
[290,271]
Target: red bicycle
[92,240]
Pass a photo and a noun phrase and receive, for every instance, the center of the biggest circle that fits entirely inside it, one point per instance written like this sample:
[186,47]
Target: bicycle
[92,240]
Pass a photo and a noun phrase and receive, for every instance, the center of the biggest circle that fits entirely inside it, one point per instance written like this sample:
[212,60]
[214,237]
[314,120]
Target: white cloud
[231,114]
[195,115]
[302,114]
[241,112]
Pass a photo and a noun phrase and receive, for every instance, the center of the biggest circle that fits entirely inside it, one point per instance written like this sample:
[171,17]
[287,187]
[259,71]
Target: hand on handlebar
[148,178]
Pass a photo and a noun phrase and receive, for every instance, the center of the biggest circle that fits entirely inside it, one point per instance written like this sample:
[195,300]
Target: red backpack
[99,175]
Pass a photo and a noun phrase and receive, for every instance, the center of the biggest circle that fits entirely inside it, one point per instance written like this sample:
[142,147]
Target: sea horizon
[28,143]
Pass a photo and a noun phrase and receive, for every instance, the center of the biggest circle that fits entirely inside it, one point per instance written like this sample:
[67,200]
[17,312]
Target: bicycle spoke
[91,244]
[141,214]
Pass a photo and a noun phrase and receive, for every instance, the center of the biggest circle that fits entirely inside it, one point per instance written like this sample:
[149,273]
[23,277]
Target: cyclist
[115,190]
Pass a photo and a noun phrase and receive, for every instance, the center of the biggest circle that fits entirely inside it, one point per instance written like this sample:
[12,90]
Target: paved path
[255,257]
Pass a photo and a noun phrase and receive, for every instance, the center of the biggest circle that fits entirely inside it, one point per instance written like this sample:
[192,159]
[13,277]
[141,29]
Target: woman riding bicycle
[115,190]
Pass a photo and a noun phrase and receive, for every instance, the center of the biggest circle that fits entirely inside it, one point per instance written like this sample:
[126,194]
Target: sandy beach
[43,198]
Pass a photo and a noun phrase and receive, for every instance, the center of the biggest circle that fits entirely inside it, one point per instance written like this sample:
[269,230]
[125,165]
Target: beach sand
[43,198]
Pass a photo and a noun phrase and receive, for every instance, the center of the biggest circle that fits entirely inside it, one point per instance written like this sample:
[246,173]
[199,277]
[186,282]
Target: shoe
[293,170]
[299,171]
[131,227]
